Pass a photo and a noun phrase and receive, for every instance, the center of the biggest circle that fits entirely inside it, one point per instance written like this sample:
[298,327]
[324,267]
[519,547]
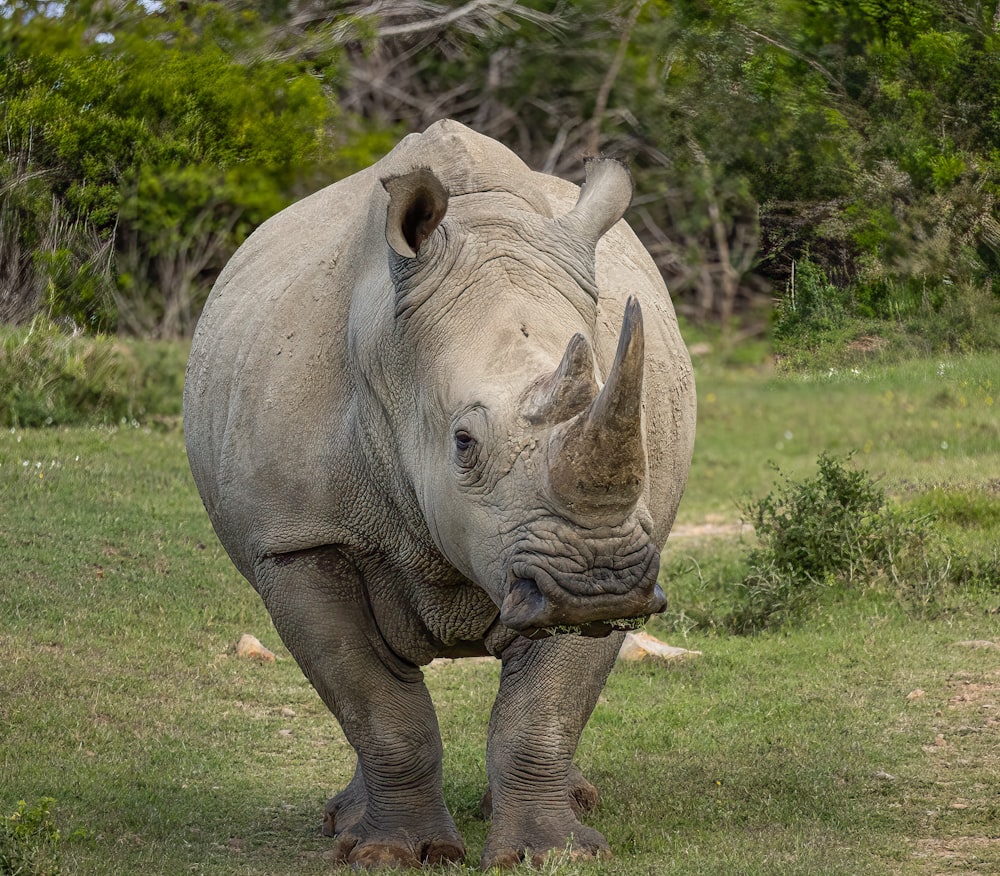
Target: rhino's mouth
[593,602]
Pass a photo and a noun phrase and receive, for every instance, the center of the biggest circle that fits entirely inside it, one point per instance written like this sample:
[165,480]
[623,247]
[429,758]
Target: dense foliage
[29,841]
[139,150]
[788,150]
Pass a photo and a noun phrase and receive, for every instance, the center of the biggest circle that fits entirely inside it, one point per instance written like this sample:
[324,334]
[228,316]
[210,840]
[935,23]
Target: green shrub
[812,303]
[29,841]
[832,532]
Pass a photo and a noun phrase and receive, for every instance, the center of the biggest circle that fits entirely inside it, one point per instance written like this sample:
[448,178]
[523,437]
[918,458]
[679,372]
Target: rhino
[441,408]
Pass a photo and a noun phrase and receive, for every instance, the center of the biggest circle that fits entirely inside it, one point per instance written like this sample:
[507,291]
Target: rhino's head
[528,469]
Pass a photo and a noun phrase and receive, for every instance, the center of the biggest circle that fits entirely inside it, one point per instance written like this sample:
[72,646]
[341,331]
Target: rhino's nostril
[523,605]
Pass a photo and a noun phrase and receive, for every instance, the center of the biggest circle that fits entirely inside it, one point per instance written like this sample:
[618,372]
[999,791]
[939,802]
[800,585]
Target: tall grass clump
[52,378]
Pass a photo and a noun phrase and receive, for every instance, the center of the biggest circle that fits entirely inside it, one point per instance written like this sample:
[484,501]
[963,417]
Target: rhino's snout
[592,602]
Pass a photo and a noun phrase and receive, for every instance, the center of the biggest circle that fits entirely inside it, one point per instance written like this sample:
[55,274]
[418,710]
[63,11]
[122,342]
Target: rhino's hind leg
[393,813]
[547,691]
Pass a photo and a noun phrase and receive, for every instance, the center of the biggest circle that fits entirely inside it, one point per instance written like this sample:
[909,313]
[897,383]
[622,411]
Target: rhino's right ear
[417,204]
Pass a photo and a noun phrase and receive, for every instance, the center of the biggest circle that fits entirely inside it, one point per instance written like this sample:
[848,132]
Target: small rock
[640,645]
[286,712]
[284,731]
[251,648]
[915,694]
[883,776]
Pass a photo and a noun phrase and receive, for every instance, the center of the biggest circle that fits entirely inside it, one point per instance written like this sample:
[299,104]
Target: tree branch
[604,92]
[819,68]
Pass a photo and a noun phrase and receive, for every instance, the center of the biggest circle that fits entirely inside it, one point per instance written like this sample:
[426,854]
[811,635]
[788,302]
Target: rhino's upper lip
[595,582]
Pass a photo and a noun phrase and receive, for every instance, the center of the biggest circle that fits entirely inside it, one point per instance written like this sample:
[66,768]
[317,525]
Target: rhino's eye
[466,447]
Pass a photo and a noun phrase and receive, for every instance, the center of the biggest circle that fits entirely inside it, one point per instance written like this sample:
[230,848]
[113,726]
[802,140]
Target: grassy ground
[863,742]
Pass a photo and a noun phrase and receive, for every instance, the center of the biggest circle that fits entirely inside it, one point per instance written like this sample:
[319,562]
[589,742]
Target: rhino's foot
[343,810]
[583,795]
[536,844]
[395,851]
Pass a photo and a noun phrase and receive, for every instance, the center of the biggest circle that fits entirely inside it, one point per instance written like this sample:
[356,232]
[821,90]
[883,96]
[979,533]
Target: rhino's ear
[604,198]
[417,204]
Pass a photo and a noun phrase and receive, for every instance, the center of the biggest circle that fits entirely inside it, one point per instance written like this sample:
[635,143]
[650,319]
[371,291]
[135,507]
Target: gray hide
[424,422]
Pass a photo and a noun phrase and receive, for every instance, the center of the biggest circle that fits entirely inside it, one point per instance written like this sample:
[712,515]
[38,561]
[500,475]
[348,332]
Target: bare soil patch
[965,752]
[713,526]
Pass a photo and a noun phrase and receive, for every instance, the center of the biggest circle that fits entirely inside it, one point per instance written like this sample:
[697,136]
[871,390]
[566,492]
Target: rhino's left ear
[417,204]
[604,198]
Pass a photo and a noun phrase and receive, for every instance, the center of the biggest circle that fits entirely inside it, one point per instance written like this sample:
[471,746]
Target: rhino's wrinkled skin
[424,423]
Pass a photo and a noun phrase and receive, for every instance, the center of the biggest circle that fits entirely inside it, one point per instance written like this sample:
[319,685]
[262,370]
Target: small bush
[29,841]
[811,304]
[831,531]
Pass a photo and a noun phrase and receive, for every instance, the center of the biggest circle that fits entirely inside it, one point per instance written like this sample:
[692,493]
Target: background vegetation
[837,158]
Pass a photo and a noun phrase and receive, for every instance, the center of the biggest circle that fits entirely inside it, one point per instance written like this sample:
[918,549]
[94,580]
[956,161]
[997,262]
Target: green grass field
[865,740]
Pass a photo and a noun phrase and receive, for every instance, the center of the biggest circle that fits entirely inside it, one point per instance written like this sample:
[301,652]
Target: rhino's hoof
[342,812]
[384,854]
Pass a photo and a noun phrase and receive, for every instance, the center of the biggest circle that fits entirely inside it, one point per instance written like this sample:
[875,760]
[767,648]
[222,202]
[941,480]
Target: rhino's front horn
[597,462]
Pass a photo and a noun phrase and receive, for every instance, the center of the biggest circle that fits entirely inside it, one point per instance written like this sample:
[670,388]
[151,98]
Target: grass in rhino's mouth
[594,628]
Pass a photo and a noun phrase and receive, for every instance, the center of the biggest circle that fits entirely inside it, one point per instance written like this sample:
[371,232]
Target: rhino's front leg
[547,691]
[393,813]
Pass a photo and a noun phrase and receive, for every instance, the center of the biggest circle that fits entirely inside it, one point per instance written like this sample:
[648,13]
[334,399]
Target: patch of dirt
[713,526]
[975,690]
[973,694]
[965,757]
[960,855]
[867,344]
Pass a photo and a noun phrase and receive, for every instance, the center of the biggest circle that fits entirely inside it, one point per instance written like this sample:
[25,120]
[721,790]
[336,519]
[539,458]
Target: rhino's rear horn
[597,460]
[567,390]
[417,204]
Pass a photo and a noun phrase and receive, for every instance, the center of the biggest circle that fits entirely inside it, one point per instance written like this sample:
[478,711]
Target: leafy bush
[831,531]
[812,302]
[165,142]
[29,841]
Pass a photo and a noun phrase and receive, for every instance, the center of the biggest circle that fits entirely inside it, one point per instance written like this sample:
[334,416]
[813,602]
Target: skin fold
[442,408]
